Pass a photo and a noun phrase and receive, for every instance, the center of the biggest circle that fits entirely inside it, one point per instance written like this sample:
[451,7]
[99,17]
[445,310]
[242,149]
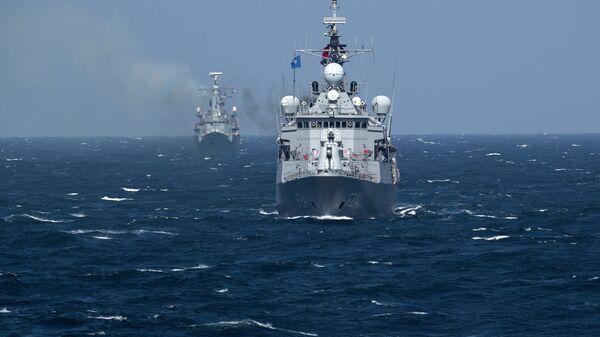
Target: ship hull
[217,144]
[336,196]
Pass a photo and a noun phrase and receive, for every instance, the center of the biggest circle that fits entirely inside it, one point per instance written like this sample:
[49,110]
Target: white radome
[333,73]
[333,95]
[290,105]
[381,105]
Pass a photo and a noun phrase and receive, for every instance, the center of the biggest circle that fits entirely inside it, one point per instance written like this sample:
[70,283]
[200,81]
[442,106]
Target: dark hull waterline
[336,196]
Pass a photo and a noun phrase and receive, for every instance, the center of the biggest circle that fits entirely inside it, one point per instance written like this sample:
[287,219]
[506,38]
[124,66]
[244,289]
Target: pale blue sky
[79,68]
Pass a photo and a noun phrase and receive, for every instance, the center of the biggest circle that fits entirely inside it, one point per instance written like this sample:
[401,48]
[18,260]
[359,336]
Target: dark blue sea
[494,236]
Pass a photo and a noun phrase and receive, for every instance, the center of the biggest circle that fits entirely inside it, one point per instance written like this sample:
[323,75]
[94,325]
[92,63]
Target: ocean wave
[16,217]
[431,181]
[110,318]
[78,215]
[320,217]
[491,238]
[117,232]
[14,159]
[417,313]
[469,212]
[5,311]
[479,229]
[523,146]
[107,198]
[147,270]
[220,291]
[263,212]
[102,237]
[128,189]
[493,154]
[200,266]
[404,212]
[250,323]
[317,265]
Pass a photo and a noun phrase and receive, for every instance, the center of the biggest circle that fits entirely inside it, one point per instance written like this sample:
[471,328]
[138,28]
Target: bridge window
[364,125]
[337,124]
[343,124]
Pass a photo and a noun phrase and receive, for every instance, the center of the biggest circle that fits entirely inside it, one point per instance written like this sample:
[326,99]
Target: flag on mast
[296,63]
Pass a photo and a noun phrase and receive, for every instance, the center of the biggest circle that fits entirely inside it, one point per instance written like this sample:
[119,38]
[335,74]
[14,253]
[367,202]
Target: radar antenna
[334,51]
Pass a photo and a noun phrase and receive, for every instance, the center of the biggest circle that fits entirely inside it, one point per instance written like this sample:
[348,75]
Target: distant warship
[217,131]
[334,158]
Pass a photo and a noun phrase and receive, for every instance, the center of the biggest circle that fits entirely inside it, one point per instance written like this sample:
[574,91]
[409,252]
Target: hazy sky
[102,68]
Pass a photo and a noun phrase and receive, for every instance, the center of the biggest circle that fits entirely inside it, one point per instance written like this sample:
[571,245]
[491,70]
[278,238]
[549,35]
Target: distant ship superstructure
[217,131]
[334,157]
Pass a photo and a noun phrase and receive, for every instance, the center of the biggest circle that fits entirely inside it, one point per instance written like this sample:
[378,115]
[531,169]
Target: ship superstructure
[335,158]
[217,130]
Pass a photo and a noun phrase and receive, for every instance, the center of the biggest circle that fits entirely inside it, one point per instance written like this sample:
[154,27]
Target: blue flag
[296,62]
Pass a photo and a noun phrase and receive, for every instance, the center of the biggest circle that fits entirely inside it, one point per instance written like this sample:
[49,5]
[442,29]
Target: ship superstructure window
[364,125]
[337,124]
[343,124]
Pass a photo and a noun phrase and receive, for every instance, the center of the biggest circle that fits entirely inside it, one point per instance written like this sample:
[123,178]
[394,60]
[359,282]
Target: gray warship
[217,131]
[335,159]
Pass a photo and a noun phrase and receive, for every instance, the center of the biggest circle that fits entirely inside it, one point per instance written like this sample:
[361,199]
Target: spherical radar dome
[333,73]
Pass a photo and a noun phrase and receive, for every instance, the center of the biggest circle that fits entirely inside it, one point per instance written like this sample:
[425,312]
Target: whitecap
[106,198]
[5,311]
[522,146]
[77,215]
[575,145]
[160,155]
[200,266]
[99,333]
[491,238]
[247,166]
[224,290]
[14,159]
[32,217]
[511,218]
[317,265]
[102,237]
[146,270]
[377,303]
[251,322]
[164,190]
[373,262]
[128,189]
[110,318]
[493,154]
[407,211]
[206,158]
[479,229]
[431,181]
[469,212]
[417,313]
[72,194]
[263,212]
[321,217]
